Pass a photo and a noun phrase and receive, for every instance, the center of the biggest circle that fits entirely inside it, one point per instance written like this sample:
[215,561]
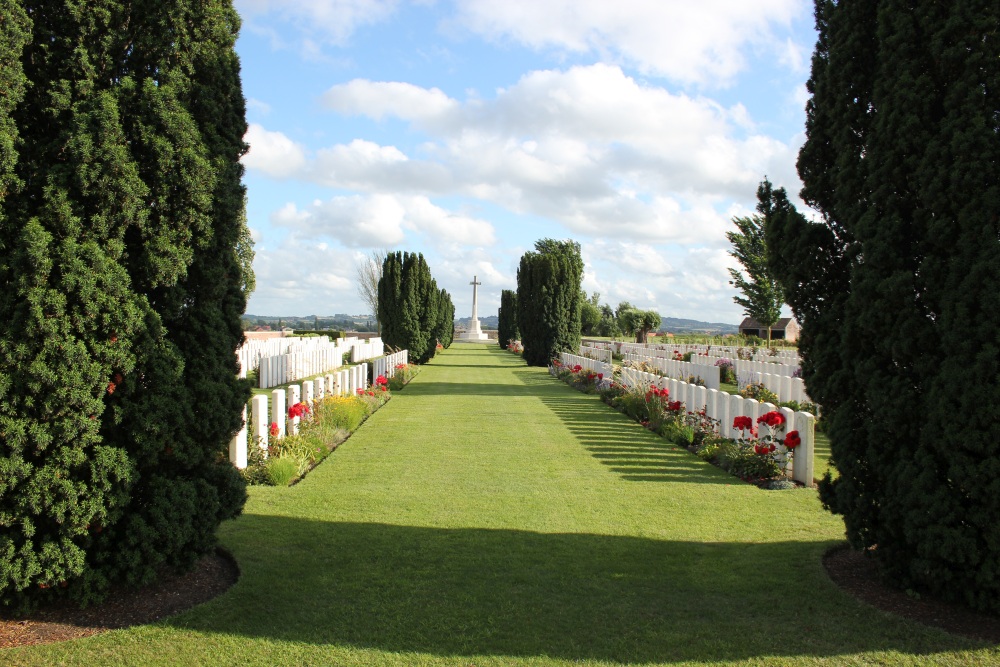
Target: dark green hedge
[125,265]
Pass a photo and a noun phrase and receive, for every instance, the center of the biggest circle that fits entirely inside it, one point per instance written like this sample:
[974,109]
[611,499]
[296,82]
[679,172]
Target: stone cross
[475,299]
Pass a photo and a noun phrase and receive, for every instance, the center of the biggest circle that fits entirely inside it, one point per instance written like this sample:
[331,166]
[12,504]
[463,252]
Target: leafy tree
[638,322]
[762,294]
[124,257]
[649,320]
[590,313]
[507,324]
[896,286]
[369,272]
[608,326]
[548,299]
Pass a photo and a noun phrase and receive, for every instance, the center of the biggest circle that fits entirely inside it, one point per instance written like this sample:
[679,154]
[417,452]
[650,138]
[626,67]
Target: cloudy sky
[469,129]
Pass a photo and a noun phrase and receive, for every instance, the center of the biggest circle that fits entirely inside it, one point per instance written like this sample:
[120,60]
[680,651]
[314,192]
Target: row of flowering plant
[322,427]
[582,378]
[401,376]
[761,454]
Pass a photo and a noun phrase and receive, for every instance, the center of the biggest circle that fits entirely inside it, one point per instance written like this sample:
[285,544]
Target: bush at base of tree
[896,288]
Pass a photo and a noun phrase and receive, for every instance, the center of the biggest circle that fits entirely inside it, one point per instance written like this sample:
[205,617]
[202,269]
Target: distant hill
[488,322]
[679,325]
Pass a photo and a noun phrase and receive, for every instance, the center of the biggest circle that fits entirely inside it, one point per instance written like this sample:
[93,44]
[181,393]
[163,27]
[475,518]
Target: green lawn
[491,515]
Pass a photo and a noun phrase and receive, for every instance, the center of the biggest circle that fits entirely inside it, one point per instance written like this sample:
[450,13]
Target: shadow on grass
[636,454]
[468,591]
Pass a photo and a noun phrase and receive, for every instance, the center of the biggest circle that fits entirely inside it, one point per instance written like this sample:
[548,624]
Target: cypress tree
[896,287]
[390,294]
[762,295]
[445,327]
[548,300]
[124,284]
[507,318]
[410,305]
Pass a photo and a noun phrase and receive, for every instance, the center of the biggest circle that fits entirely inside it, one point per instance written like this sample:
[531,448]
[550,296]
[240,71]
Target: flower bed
[760,456]
[322,428]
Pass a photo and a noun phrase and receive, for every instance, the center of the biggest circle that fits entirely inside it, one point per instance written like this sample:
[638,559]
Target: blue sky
[469,129]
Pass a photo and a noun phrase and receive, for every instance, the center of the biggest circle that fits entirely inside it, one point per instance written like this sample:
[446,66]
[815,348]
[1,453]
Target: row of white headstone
[745,366]
[790,357]
[586,363]
[283,360]
[784,387]
[345,382]
[597,353]
[777,377]
[292,366]
[710,375]
[386,366]
[724,408]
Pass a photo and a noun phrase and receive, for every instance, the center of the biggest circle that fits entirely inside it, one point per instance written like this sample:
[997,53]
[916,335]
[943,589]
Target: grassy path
[489,515]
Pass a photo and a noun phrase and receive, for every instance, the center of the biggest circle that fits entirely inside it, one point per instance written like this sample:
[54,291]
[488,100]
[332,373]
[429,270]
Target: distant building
[785,329]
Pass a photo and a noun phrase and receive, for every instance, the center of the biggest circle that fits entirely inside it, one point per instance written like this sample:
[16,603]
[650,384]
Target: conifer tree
[896,287]
[124,283]
[445,331]
[762,296]
[410,305]
[507,318]
[390,295]
[548,300]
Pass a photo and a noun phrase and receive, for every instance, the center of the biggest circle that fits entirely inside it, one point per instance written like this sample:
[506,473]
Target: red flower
[742,423]
[577,368]
[273,430]
[360,392]
[298,410]
[772,419]
[600,376]
[792,440]
[380,380]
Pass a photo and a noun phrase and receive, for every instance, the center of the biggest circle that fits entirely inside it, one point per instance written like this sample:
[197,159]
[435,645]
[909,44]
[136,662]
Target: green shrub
[280,472]
[759,392]
[709,451]
[740,460]
[677,433]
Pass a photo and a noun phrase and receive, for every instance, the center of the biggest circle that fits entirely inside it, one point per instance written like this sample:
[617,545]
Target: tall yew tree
[125,268]
[548,300]
[897,287]
[409,305]
[507,318]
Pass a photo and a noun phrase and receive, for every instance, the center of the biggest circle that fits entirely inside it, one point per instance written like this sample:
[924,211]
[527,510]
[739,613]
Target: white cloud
[377,99]
[320,21]
[690,42]
[273,153]
[589,147]
[299,278]
[382,220]
[258,106]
